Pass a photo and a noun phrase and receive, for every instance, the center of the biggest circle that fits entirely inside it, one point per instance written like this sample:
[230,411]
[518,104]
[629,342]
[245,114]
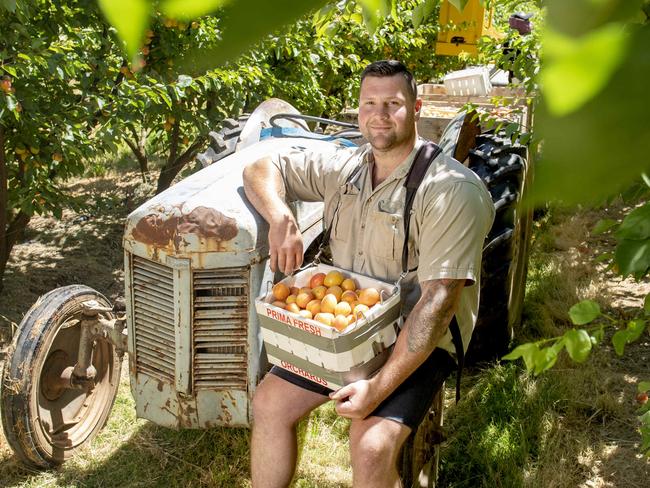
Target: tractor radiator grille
[220,328]
[153,310]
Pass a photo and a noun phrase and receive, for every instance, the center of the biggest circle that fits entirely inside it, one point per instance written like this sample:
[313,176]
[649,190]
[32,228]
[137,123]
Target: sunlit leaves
[576,69]
[190,9]
[578,344]
[130,18]
[584,312]
[628,335]
[8,5]
[247,23]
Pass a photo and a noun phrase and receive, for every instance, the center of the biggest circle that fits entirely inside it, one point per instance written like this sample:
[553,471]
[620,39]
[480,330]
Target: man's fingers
[282,259]
[274,260]
[289,264]
[341,393]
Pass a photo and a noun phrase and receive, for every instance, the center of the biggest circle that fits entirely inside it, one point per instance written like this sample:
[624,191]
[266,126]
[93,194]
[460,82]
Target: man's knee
[376,443]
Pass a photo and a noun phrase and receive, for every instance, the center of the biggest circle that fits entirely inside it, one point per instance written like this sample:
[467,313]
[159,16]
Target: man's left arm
[423,330]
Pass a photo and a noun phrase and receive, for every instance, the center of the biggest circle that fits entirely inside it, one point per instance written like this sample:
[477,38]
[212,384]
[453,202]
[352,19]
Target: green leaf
[546,358]
[603,226]
[636,225]
[643,386]
[576,69]
[632,257]
[619,339]
[242,29]
[646,304]
[187,10]
[598,335]
[578,163]
[578,344]
[8,5]
[635,328]
[9,69]
[604,257]
[130,18]
[526,351]
[184,81]
[584,312]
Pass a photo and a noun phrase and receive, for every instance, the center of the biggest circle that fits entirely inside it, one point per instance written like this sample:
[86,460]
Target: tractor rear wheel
[45,422]
[421,451]
[222,142]
[504,168]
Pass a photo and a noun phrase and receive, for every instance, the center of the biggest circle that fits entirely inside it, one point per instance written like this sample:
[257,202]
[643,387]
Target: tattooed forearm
[430,318]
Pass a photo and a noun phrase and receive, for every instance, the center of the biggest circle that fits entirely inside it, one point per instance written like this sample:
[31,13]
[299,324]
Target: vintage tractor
[195,259]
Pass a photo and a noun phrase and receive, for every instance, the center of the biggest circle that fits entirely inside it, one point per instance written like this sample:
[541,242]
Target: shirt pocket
[386,238]
[343,225]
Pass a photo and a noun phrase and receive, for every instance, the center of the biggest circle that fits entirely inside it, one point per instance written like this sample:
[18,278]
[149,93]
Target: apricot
[348,284]
[349,296]
[361,310]
[291,299]
[303,299]
[335,290]
[351,318]
[280,291]
[279,304]
[304,289]
[305,314]
[328,303]
[317,280]
[369,296]
[313,307]
[333,278]
[294,290]
[324,318]
[342,308]
[293,308]
[340,322]
[319,292]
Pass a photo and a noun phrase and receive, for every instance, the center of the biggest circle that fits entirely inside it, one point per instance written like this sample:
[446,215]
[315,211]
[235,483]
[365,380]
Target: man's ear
[418,107]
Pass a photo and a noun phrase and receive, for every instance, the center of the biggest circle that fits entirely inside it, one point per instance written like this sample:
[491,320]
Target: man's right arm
[265,189]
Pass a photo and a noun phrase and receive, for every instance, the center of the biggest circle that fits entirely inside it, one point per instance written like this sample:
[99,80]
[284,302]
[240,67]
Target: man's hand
[356,400]
[285,244]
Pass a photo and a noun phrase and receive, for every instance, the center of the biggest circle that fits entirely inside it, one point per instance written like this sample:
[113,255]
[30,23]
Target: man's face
[387,114]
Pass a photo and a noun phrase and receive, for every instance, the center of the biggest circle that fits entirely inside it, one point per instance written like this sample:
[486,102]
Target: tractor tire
[44,422]
[418,464]
[505,170]
[222,142]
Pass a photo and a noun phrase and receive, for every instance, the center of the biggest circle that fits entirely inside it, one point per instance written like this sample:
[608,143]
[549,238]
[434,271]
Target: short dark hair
[391,67]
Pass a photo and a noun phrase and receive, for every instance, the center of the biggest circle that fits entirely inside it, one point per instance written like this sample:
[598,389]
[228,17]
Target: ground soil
[85,247]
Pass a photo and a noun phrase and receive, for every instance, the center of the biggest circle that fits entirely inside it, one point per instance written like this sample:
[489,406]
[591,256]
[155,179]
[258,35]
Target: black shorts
[409,403]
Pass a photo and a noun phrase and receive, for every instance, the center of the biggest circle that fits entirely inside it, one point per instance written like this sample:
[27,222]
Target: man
[452,213]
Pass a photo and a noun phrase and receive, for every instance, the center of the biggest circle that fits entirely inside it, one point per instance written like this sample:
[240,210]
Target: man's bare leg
[278,406]
[375,443]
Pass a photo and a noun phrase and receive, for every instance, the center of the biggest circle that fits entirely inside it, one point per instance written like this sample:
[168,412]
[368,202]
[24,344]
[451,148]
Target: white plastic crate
[321,353]
[468,82]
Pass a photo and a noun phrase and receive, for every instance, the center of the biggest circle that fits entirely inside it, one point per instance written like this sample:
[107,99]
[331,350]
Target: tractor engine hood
[208,219]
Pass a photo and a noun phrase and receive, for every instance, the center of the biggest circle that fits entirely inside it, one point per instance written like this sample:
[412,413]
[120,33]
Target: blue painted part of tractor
[278,132]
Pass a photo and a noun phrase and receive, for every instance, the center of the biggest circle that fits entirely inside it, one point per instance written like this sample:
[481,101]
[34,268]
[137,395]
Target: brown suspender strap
[423,159]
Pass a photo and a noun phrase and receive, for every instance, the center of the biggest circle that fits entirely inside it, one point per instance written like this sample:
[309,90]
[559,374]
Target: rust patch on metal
[227,416]
[204,222]
[160,385]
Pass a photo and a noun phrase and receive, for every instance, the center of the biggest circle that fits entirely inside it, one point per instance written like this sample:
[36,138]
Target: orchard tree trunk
[3,205]
[175,162]
[11,226]
[138,147]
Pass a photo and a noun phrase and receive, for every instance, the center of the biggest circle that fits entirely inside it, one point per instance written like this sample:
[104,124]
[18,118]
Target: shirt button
[363,226]
[360,253]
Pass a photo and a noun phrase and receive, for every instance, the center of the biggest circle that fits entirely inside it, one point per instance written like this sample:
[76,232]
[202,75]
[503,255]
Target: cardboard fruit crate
[320,352]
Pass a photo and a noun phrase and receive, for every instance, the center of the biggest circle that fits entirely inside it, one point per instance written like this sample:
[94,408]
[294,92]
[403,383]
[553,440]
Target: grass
[573,426]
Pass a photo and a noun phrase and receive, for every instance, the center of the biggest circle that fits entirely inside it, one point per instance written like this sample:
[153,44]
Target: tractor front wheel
[44,421]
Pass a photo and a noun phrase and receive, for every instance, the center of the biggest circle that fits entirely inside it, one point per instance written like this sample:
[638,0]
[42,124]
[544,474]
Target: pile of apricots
[331,299]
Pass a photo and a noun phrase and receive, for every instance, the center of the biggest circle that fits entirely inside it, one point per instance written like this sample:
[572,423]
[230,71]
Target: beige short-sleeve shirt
[451,216]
